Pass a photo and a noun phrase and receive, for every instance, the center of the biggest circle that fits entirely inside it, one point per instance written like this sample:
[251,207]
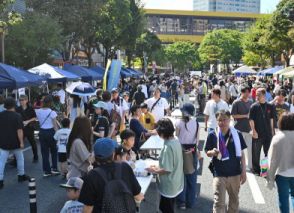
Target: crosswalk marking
[256,192]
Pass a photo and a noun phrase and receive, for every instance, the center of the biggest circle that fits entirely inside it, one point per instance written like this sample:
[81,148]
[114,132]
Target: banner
[114,74]
[105,75]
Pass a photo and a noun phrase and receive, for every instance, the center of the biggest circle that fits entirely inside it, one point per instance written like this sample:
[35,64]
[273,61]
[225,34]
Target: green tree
[135,29]
[258,49]
[221,45]
[113,23]
[147,46]
[31,42]
[281,29]
[182,55]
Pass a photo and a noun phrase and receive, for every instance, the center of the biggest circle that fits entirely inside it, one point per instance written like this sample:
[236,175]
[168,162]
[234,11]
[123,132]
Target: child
[61,136]
[128,140]
[73,188]
[147,118]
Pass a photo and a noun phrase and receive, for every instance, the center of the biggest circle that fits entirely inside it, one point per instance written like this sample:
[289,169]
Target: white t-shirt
[61,136]
[292,108]
[61,94]
[233,90]
[187,133]
[45,118]
[72,206]
[211,108]
[144,90]
[158,109]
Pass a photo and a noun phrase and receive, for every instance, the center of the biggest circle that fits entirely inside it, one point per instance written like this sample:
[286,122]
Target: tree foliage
[182,55]
[31,42]
[223,45]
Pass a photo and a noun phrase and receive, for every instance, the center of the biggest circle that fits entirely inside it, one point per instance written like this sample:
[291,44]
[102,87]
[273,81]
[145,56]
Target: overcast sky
[267,6]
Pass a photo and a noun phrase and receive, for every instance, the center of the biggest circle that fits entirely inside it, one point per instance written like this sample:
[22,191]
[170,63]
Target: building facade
[171,25]
[237,6]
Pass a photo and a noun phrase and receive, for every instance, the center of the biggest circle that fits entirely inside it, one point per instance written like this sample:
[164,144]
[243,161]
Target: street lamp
[2,33]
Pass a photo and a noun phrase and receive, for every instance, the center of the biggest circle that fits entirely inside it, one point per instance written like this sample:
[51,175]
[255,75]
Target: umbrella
[81,89]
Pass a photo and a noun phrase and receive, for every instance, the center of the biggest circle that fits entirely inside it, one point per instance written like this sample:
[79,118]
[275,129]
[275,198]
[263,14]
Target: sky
[267,6]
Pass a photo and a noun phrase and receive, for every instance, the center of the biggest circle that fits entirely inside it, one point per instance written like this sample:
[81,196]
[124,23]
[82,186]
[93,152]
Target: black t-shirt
[241,107]
[262,114]
[227,168]
[93,187]
[27,114]
[10,122]
[102,124]
[139,97]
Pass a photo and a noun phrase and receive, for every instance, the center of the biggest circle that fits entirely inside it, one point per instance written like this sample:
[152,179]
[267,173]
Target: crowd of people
[93,142]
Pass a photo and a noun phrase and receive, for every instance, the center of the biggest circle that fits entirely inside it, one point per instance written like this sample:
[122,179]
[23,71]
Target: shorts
[62,157]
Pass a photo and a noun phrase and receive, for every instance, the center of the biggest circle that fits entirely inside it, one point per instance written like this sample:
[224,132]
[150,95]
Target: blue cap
[188,109]
[104,147]
[100,104]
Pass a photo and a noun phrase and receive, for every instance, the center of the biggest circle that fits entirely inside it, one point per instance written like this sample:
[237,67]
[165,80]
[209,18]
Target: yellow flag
[105,75]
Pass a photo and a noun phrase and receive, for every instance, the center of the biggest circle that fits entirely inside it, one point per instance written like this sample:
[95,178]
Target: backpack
[117,197]
[115,118]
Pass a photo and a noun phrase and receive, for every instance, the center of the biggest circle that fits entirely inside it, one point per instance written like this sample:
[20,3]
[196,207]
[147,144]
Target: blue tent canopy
[136,72]
[6,83]
[68,75]
[271,71]
[84,73]
[125,73]
[99,70]
[20,78]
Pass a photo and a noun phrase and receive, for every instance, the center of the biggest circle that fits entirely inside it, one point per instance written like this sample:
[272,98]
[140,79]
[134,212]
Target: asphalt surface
[14,197]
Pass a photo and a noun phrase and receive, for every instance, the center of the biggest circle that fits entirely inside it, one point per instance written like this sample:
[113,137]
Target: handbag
[188,161]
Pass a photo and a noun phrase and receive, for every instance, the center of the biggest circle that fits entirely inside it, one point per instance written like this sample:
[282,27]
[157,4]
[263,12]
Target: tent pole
[6,91]
[29,94]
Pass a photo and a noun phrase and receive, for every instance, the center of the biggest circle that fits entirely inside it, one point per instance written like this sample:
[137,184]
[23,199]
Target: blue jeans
[285,187]
[48,146]
[4,154]
[188,195]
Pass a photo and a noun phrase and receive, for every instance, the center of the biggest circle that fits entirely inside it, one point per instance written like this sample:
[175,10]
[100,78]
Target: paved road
[254,196]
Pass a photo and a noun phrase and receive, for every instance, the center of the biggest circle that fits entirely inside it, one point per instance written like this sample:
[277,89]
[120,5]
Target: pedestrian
[73,188]
[212,107]
[61,93]
[292,103]
[61,136]
[281,162]
[226,148]
[158,105]
[29,118]
[11,140]
[240,113]
[146,118]
[233,92]
[101,123]
[139,96]
[2,103]
[128,141]
[93,193]
[187,130]
[79,148]
[76,108]
[170,171]
[48,125]
[58,107]
[261,118]
[281,106]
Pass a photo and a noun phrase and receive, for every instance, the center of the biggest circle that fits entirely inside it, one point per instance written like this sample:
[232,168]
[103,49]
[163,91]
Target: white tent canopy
[244,70]
[48,71]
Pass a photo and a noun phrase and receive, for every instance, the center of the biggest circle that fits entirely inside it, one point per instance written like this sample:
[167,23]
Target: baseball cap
[114,90]
[100,104]
[188,109]
[104,147]
[73,183]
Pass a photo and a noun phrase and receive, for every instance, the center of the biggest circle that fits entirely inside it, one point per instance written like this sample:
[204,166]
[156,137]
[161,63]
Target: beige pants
[248,153]
[221,185]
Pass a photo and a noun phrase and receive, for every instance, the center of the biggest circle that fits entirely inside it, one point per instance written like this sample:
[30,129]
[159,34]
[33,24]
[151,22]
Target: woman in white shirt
[48,126]
[187,130]
[281,162]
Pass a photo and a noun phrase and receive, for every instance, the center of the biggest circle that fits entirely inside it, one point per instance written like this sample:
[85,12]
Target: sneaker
[182,206]
[1,184]
[47,174]
[22,178]
[55,172]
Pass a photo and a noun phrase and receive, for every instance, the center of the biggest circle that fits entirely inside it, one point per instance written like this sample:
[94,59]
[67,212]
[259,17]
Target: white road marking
[257,195]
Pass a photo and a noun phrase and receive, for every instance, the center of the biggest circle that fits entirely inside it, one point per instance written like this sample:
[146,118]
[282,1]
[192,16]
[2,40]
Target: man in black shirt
[139,96]
[28,115]
[228,166]
[93,188]
[261,118]
[11,139]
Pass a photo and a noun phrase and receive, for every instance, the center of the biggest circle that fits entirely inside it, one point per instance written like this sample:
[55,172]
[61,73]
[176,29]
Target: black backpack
[117,197]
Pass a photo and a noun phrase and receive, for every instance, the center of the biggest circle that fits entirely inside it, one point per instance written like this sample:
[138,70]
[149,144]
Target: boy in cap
[146,118]
[73,188]
[92,193]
